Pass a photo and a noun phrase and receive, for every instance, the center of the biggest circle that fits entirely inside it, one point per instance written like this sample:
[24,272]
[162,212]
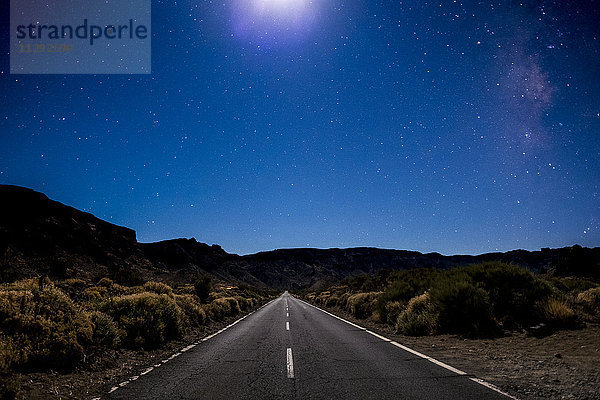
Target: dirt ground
[564,365]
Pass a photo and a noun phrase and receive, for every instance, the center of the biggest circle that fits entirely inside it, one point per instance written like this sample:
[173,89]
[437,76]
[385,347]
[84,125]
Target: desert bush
[9,354]
[570,284]
[149,319]
[202,286]
[512,290]
[94,293]
[557,313]
[120,290]
[419,318]
[218,309]
[464,308]
[47,327]
[233,304]
[244,303]
[404,286]
[322,298]
[332,300]
[158,288]
[343,300]
[105,282]
[393,310]
[23,284]
[73,287]
[362,305]
[190,305]
[590,301]
[126,276]
[311,297]
[106,330]
[9,388]
[363,283]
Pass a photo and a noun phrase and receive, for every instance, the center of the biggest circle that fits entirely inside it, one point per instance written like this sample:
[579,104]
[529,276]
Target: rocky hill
[41,236]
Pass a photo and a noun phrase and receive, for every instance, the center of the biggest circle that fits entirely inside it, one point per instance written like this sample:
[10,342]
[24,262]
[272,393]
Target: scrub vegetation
[480,300]
[57,325]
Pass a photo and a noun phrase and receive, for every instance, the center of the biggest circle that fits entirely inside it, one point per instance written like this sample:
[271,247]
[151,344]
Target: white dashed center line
[290,364]
[287,325]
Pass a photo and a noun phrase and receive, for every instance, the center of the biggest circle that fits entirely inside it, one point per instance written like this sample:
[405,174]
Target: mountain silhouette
[40,236]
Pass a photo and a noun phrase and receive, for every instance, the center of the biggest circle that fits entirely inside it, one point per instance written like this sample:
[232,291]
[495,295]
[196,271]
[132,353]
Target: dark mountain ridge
[41,236]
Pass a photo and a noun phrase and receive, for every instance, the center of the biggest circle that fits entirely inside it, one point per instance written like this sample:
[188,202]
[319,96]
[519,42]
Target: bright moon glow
[274,23]
[288,8]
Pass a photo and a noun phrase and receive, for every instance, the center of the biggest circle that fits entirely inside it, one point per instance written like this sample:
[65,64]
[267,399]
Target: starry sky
[456,127]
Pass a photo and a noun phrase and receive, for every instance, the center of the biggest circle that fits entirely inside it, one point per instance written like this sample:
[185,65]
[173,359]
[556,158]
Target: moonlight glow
[281,7]
[273,23]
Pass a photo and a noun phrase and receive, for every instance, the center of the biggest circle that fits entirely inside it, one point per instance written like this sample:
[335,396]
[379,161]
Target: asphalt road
[291,350]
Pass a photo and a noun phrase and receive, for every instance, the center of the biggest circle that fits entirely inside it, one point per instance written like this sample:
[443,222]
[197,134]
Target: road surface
[291,350]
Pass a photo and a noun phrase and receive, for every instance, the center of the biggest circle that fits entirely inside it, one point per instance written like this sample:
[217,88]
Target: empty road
[291,350]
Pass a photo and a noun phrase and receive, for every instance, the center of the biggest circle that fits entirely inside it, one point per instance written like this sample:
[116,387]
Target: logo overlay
[80,37]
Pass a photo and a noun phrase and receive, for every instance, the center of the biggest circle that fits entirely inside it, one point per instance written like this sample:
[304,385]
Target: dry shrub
[94,293]
[120,290]
[590,301]
[419,318]
[323,297]
[218,309]
[233,304]
[158,288]
[362,305]
[332,301]
[343,300]
[47,327]
[105,282]
[23,284]
[244,303]
[73,287]
[191,307]
[311,297]
[252,302]
[149,319]
[393,310]
[9,388]
[557,313]
[9,354]
[106,330]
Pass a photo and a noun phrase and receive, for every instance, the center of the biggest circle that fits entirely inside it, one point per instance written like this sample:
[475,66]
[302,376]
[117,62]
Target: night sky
[456,127]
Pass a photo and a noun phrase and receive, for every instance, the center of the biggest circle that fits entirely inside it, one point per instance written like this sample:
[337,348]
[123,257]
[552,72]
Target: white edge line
[135,377]
[416,353]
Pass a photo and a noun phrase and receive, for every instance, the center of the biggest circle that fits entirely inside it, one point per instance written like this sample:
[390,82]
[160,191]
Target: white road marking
[287,325]
[290,364]
[378,336]
[416,353]
[287,314]
[490,386]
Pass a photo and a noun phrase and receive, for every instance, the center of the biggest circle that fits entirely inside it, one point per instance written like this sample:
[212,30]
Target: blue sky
[456,127]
